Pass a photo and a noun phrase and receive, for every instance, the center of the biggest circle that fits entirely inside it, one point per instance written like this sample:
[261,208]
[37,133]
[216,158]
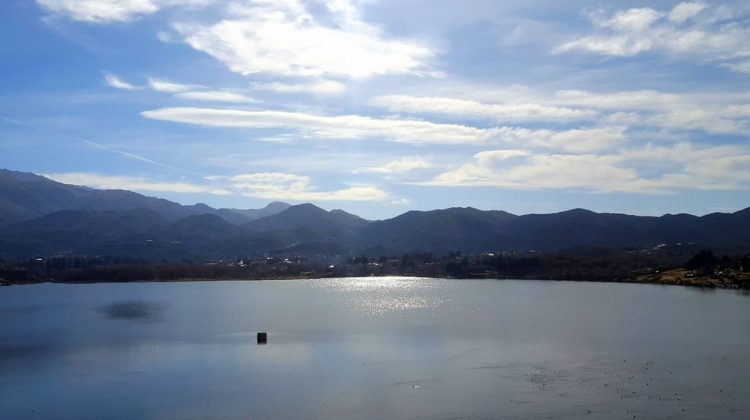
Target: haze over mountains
[40,217]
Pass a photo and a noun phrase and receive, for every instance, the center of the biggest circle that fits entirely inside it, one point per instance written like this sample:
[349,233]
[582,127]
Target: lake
[373,348]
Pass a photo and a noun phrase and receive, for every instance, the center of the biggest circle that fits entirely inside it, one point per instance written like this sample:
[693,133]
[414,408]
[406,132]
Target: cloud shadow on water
[134,310]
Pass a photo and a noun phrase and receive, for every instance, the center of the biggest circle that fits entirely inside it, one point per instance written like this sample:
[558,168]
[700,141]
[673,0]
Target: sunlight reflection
[384,295]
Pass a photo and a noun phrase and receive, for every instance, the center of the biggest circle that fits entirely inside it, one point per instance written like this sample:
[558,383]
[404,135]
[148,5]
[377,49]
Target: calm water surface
[373,348]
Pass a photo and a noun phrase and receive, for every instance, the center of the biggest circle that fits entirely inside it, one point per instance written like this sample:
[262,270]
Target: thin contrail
[127,154]
[93,144]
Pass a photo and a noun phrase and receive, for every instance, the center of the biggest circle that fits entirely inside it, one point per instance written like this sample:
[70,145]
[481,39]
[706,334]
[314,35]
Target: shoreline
[677,277]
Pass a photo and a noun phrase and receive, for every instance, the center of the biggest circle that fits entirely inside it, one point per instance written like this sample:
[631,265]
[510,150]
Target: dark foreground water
[373,348]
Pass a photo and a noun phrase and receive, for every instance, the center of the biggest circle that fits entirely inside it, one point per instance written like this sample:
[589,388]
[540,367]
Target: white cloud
[183,91]
[532,172]
[114,81]
[685,11]
[336,127]
[400,166]
[680,152]
[100,11]
[164,36]
[319,87]
[718,167]
[709,111]
[716,113]
[491,156]
[680,167]
[462,108]
[738,66]
[161,85]
[108,11]
[216,96]
[623,118]
[268,186]
[681,31]
[579,140]
[302,125]
[738,111]
[290,187]
[133,183]
[715,122]
[619,46]
[624,100]
[283,38]
[198,93]
[598,101]
[637,19]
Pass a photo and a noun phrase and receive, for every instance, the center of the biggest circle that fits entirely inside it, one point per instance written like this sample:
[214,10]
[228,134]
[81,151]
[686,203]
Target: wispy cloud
[265,185]
[100,11]
[162,85]
[134,183]
[216,96]
[116,82]
[714,112]
[623,100]
[330,127]
[199,93]
[290,187]
[689,29]
[738,65]
[721,121]
[399,166]
[685,167]
[469,109]
[685,11]
[318,87]
[109,11]
[523,170]
[577,140]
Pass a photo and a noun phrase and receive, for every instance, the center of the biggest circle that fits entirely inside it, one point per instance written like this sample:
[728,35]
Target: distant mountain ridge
[472,230]
[41,217]
[26,196]
[328,225]
[439,231]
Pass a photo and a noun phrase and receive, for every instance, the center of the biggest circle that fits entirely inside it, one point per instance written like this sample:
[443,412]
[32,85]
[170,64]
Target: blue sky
[380,107]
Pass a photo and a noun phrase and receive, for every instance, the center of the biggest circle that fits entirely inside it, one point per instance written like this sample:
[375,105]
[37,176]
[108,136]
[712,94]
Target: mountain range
[41,217]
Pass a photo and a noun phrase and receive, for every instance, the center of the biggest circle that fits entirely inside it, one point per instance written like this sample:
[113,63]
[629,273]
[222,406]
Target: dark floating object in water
[262,338]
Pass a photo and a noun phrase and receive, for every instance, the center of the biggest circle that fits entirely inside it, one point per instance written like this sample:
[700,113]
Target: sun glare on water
[379,296]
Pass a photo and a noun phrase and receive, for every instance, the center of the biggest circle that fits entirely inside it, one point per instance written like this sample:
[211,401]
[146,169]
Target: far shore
[662,265]
[677,277]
